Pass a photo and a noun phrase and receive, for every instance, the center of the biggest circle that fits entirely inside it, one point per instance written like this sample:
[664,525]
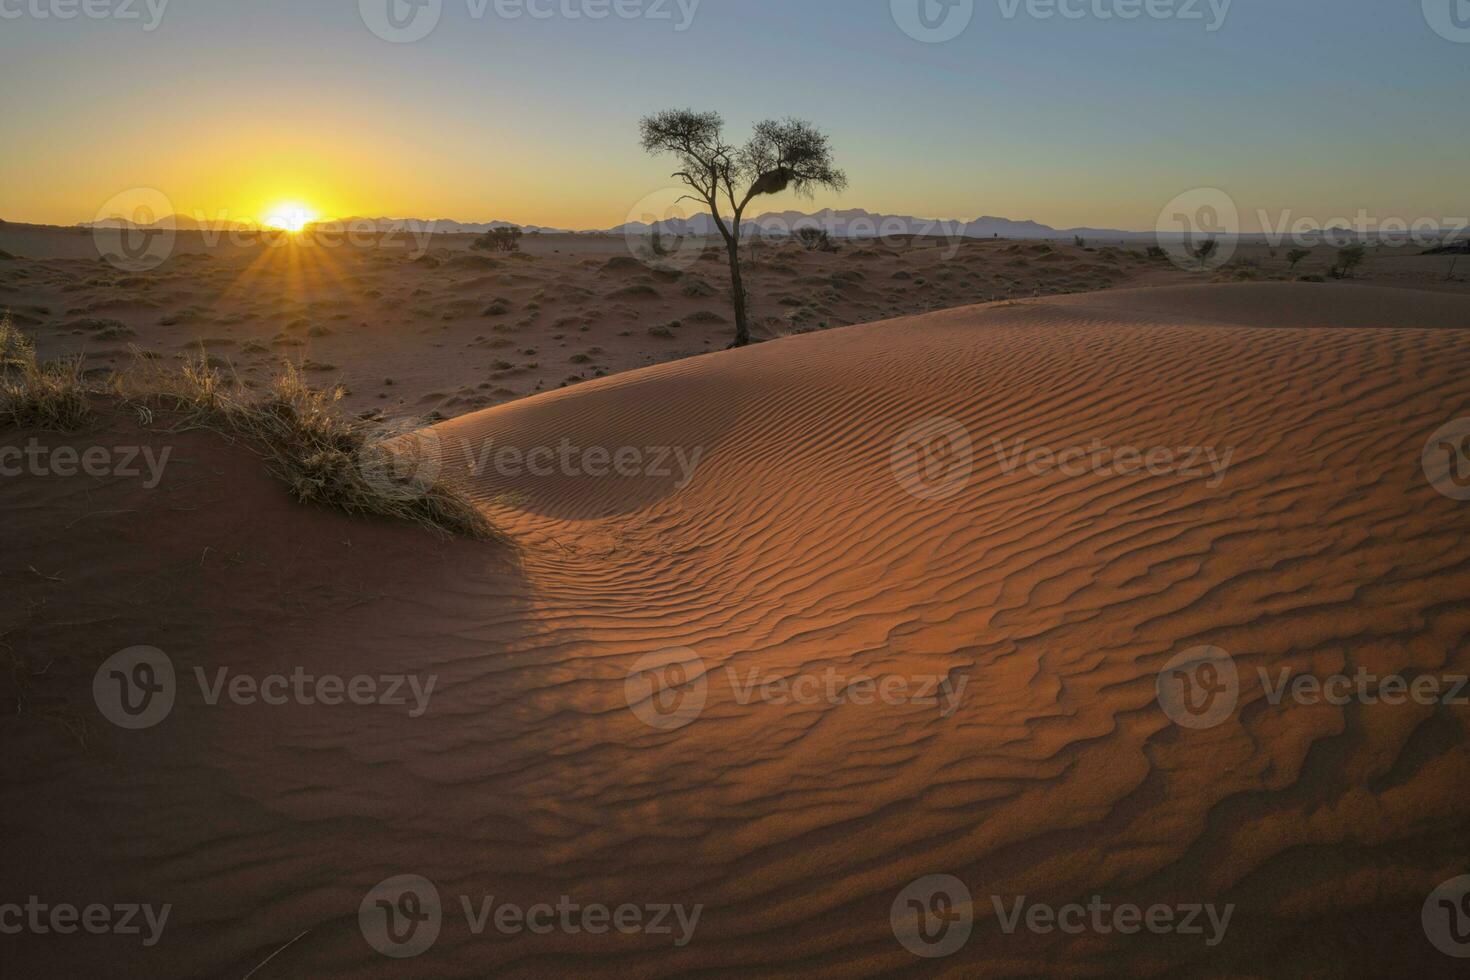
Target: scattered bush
[1204,251]
[815,240]
[35,395]
[1295,256]
[499,240]
[1348,260]
[1156,252]
[309,441]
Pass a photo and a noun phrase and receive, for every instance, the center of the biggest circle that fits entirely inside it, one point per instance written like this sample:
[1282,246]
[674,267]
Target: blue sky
[1317,106]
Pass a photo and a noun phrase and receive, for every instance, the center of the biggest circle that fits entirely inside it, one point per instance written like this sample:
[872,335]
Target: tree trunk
[737,292]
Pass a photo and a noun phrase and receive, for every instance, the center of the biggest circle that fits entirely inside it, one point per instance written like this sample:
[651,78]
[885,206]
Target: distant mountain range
[852,223]
[858,223]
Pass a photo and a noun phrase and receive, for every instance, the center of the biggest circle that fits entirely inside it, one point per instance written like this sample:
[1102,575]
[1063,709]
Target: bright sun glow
[290,217]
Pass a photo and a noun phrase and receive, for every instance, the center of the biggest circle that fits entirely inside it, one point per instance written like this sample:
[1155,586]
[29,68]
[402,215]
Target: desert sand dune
[817,528]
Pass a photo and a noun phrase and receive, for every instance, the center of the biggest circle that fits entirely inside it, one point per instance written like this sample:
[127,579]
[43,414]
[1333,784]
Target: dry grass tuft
[309,441]
[35,395]
[323,453]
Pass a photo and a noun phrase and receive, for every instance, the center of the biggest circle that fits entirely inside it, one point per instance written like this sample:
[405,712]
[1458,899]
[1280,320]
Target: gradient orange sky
[230,109]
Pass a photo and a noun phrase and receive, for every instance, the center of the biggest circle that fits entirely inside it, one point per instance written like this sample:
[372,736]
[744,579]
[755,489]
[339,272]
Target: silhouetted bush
[499,240]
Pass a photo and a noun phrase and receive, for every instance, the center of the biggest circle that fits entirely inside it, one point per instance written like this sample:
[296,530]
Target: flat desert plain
[904,599]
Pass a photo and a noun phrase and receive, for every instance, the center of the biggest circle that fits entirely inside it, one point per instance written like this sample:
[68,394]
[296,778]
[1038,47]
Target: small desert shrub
[1156,252]
[325,455]
[35,395]
[1204,251]
[815,240]
[1348,260]
[308,440]
[1079,241]
[1295,256]
[499,240]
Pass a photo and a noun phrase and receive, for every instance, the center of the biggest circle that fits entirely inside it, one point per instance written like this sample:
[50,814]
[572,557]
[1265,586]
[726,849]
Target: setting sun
[290,217]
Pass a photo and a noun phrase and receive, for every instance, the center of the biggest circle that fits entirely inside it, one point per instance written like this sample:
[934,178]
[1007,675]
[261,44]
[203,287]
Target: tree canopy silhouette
[788,154]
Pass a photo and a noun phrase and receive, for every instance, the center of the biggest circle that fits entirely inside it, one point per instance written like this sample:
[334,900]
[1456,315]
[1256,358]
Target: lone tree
[785,155]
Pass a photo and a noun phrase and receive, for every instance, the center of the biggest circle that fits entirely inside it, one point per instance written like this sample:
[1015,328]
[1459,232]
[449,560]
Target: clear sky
[239,106]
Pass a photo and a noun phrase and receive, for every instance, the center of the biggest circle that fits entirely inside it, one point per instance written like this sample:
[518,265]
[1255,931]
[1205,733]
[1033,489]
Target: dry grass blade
[39,396]
[322,452]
